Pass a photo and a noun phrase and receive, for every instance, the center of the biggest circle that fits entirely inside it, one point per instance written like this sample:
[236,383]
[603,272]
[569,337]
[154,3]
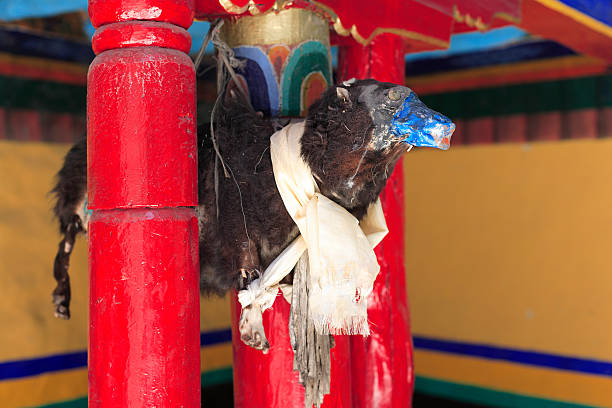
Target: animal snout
[416,124]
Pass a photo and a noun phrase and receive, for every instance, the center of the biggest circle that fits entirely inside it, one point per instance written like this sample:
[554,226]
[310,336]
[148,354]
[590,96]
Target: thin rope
[214,27]
[226,62]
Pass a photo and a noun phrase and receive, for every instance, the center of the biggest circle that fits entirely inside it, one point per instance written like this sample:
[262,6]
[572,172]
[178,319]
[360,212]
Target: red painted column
[144,348]
[382,369]
[268,380]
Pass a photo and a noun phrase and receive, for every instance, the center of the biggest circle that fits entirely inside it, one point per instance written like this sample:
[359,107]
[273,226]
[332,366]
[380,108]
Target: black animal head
[356,132]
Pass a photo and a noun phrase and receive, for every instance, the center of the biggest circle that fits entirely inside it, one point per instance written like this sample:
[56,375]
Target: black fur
[69,192]
[251,226]
[349,163]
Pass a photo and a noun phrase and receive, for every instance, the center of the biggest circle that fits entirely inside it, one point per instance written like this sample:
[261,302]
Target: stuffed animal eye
[394,95]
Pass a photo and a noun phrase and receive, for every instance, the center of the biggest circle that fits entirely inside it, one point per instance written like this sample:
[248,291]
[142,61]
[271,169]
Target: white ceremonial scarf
[342,262]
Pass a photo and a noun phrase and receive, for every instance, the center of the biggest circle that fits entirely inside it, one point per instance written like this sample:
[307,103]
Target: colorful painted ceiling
[584,25]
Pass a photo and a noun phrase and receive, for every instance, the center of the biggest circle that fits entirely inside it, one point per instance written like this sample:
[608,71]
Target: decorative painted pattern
[312,87]
[310,56]
[285,79]
[261,79]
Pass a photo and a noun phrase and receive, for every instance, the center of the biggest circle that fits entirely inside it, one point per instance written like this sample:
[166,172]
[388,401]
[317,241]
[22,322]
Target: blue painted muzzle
[418,125]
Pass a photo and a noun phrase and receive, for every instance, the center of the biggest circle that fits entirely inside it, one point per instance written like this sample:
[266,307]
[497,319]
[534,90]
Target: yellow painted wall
[510,245]
[28,242]
[506,245]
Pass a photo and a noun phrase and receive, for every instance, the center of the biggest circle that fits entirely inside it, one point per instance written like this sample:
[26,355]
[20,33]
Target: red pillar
[382,370]
[268,380]
[142,177]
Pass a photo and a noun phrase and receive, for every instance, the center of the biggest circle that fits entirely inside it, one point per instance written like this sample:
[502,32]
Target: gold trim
[232,8]
[478,22]
[343,31]
[251,7]
[290,26]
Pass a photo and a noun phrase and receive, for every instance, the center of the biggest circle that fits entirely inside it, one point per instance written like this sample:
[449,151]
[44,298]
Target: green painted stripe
[485,396]
[425,385]
[21,93]
[216,377]
[208,378]
[75,403]
[562,95]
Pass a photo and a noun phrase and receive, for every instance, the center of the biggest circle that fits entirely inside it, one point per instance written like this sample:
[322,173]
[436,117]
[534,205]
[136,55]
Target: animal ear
[343,95]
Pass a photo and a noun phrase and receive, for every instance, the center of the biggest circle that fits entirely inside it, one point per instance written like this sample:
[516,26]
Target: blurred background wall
[508,268]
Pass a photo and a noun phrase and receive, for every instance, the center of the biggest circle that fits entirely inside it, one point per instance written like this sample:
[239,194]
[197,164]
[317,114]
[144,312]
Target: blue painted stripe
[263,63]
[534,358]
[25,368]
[600,10]
[213,337]
[36,366]
[528,51]
[474,41]
[34,45]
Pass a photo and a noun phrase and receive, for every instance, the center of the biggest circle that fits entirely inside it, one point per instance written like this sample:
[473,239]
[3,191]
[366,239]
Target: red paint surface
[144,348]
[479,130]
[266,380]
[380,60]
[2,123]
[58,127]
[545,21]
[605,122]
[511,128]
[24,124]
[178,12]
[459,133]
[427,24]
[341,387]
[139,34]
[423,27]
[381,364]
[426,32]
[141,132]
[69,73]
[545,126]
[483,11]
[581,124]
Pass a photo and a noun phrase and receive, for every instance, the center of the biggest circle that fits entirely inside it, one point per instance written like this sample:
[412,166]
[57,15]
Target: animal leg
[61,293]
[251,322]
[251,328]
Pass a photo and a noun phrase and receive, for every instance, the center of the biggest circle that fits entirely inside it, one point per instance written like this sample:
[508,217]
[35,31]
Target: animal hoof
[61,310]
[248,275]
[251,329]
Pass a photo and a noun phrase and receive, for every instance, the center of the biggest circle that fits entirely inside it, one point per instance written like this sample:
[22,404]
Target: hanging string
[214,27]
[226,64]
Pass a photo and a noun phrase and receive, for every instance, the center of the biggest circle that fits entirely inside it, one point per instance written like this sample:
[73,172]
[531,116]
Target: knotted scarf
[342,263]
